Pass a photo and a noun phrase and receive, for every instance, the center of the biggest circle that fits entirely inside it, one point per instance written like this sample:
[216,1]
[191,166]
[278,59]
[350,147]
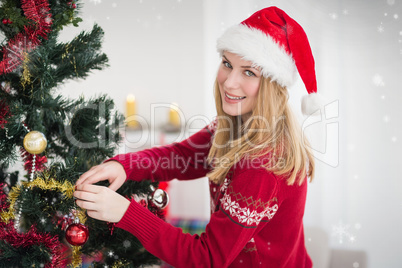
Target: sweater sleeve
[183,160]
[248,204]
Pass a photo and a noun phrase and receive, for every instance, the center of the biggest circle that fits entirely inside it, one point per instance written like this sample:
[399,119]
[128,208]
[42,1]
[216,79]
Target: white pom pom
[311,103]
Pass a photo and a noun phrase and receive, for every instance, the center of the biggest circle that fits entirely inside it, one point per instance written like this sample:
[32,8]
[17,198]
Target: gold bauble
[35,142]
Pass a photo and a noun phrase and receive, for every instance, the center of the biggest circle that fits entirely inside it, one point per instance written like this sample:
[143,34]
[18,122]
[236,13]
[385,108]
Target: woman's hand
[112,171]
[101,203]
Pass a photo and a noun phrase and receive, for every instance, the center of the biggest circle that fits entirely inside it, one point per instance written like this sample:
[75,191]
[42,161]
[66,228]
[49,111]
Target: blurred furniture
[191,226]
[323,256]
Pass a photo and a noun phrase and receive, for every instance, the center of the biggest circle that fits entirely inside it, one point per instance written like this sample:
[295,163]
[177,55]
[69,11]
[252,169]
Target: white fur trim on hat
[311,103]
[259,48]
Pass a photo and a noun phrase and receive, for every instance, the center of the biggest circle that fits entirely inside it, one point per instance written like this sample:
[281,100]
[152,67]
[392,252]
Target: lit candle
[131,111]
[174,117]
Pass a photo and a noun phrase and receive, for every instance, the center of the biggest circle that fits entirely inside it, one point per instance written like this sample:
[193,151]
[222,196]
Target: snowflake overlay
[2,38]
[15,52]
[378,80]
[96,1]
[341,231]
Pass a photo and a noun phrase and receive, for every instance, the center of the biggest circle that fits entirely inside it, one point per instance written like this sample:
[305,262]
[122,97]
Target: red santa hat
[278,45]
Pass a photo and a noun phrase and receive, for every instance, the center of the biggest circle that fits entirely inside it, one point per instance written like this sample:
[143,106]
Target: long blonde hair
[271,129]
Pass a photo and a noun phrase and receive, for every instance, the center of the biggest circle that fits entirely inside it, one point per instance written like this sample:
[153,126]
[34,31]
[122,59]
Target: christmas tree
[47,141]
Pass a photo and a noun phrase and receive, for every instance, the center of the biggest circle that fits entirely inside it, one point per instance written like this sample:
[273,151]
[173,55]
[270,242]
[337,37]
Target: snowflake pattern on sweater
[247,211]
[213,125]
[245,214]
[241,209]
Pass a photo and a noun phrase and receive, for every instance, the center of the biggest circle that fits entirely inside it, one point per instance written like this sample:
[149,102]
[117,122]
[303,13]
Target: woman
[254,155]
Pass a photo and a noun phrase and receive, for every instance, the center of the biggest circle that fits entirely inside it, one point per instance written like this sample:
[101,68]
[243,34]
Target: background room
[163,52]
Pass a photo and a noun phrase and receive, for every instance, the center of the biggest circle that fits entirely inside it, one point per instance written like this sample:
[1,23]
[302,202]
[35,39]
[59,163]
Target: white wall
[155,50]
[164,51]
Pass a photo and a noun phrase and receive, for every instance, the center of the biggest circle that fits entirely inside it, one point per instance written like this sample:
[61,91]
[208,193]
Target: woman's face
[238,84]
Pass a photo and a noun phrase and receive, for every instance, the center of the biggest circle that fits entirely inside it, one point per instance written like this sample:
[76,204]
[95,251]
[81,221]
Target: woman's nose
[232,80]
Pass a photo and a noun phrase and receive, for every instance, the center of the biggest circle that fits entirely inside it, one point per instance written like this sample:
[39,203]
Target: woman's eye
[249,73]
[227,64]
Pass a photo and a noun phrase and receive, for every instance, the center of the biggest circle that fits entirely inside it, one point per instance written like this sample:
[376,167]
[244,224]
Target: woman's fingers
[86,175]
[111,171]
[86,205]
[88,196]
[115,185]
[94,178]
[90,188]
[101,202]
[94,214]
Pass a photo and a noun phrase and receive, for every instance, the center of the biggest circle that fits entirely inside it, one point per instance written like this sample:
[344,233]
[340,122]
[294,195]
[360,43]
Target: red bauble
[4,21]
[9,21]
[77,234]
[74,5]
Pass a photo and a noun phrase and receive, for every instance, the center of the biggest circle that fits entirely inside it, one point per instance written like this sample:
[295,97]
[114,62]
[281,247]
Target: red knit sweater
[256,218]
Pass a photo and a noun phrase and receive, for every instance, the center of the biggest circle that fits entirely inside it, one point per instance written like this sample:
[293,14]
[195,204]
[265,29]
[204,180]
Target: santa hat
[278,45]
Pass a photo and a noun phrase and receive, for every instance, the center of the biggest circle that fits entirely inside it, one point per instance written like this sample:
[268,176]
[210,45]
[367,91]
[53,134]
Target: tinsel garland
[26,74]
[38,12]
[4,113]
[120,263]
[3,198]
[160,213]
[76,259]
[7,216]
[32,238]
[39,160]
[66,188]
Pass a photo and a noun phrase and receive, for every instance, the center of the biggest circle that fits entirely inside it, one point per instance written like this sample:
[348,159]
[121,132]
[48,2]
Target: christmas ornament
[35,142]
[159,198]
[4,21]
[77,234]
[65,223]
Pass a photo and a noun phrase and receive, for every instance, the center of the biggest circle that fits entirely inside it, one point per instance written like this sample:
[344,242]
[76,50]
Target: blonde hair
[271,129]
